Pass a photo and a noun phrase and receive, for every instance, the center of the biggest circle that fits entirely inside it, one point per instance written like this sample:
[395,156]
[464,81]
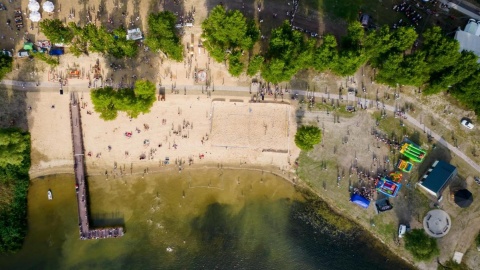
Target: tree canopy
[14,180]
[307,136]
[91,38]
[255,65]
[420,245]
[326,54]
[5,65]
[108,101]
[12,147]
[56,31]
[227,33]
[288,52]
[162,36]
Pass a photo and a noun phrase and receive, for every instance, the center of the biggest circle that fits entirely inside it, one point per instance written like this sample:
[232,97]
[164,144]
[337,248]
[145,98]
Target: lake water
[208,218]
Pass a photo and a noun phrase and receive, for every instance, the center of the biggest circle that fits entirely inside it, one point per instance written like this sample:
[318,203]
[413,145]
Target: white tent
[35,16]
[33,6]
[48,6]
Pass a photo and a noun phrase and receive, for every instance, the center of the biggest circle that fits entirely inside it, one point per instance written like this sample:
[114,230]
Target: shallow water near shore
[196,219]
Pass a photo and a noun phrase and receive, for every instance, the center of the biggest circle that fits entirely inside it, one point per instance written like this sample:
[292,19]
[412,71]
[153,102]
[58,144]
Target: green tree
[6,63]
[56,31]
[235,65]
[307,136]
[348,62]
[14,180]
[162,35]
[107,101]
[420,245]
[441,51]
[352,54]
[288,52]
[226,33]
[450,76]
[467,91]
[405,70]
[380,44]
[99,39]
[103,100]
[255,65]
[12,147]
[326,54]
[79,44]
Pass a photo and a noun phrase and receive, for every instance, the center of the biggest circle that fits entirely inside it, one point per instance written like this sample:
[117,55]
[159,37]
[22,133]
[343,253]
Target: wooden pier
[80,180]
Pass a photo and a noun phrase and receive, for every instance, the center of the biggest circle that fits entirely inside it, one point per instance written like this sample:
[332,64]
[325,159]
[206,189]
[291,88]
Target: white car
[402,229]
[23,54]
[467,124]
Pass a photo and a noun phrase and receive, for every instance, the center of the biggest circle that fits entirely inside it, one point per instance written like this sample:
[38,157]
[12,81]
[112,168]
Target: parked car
[23,54]
[402,229]
[5,52]
[467,124]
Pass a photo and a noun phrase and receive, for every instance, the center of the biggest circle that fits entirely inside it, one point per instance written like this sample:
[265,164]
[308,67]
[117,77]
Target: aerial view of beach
[243,134]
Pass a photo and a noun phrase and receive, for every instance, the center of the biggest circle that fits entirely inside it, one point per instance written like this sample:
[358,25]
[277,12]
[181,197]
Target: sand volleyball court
[259,126]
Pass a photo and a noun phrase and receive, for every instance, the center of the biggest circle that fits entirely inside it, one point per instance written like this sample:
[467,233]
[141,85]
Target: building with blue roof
[437,178]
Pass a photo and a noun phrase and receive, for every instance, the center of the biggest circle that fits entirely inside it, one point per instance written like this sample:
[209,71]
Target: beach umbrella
[48,6]
[35,16]
[33,6]
[463,198]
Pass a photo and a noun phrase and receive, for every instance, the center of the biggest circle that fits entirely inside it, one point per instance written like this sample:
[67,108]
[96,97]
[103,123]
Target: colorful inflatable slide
[404,165]
[413,152]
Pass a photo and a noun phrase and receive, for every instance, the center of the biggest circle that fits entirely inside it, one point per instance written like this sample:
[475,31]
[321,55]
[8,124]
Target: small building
[437,178]
[134,34]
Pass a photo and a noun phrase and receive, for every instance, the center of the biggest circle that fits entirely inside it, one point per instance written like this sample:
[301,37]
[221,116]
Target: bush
[5,65]
[452,265]
[420,245]
[307,137]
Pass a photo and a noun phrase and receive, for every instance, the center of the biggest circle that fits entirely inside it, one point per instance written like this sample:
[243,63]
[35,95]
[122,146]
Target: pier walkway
[80,180]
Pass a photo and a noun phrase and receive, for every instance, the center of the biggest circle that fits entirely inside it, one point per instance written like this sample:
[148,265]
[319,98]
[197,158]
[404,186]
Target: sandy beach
[183,130]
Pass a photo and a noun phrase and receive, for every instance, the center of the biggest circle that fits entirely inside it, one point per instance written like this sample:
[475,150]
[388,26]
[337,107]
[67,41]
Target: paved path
[83,86]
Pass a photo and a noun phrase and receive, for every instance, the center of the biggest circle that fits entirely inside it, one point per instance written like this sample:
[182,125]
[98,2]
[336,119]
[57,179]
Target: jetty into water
[80,181]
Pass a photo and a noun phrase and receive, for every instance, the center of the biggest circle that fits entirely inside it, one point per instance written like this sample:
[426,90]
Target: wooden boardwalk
[80,180]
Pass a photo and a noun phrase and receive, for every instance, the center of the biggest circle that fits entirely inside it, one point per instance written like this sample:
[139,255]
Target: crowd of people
[102,233]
